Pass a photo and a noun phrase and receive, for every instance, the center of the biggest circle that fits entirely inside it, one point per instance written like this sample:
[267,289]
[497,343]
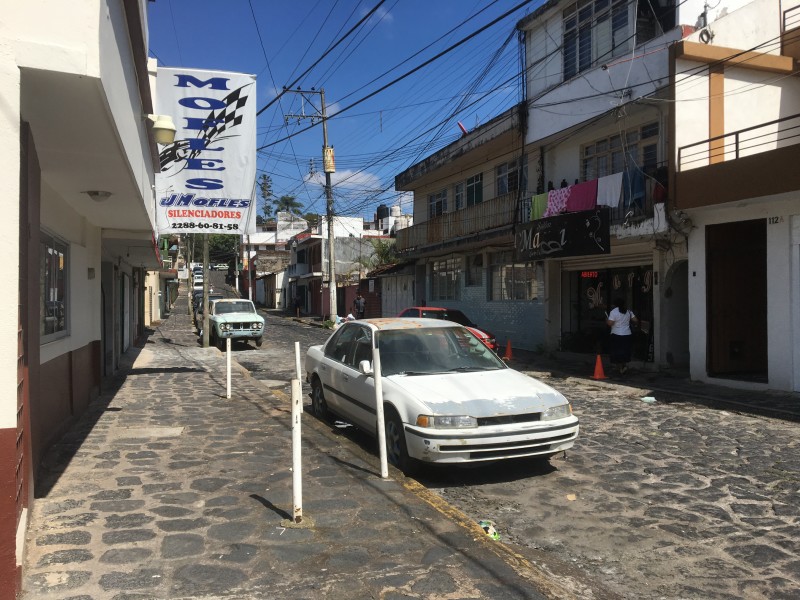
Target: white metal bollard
[228,365]
[297,475]
[376,375]
[297,368]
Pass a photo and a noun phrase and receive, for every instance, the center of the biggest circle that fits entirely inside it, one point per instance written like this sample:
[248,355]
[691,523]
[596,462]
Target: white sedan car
[447,397]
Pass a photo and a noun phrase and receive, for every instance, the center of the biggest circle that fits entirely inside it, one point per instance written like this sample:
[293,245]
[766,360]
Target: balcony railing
[499,212]
[745,142]
[490,214]
[297,269]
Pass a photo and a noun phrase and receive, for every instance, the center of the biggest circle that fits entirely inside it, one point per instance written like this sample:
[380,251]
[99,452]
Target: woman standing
[620,321]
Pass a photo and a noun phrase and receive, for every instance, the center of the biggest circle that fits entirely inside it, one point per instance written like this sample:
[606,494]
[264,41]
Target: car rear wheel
[318,404]
[396,448]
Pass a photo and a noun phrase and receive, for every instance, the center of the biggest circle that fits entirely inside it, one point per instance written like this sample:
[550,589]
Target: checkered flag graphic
[216,123]
[227,117]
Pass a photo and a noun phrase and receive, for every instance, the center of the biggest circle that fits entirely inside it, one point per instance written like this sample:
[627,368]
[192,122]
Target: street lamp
[163,129]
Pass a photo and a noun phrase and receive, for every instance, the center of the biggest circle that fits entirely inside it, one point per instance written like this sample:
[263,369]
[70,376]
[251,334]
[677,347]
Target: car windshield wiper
[469,369]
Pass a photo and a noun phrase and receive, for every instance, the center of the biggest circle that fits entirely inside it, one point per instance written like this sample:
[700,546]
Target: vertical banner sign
[207,178]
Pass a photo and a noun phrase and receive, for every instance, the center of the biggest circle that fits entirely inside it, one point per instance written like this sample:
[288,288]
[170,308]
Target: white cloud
[348,180]
[380,15]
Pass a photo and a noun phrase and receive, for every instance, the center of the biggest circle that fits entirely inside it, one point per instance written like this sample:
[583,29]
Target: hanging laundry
[538,206]
[582,196]
[633,187]
[557,202]
[609,190]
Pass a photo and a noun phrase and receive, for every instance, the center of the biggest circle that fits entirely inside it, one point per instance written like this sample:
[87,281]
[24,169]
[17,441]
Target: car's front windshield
[221,308]
[434,350]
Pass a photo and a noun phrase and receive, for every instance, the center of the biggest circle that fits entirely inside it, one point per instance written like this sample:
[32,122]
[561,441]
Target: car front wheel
[396,448]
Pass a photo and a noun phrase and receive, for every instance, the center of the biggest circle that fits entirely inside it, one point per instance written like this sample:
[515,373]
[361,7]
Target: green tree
[267,198]
[222,248]
[384,252]
[288,204]
[311,219]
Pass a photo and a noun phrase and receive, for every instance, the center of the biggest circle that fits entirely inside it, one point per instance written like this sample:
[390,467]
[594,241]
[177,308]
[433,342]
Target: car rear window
[433,314]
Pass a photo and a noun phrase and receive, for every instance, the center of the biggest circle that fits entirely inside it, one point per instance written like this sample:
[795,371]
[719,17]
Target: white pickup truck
[236,319]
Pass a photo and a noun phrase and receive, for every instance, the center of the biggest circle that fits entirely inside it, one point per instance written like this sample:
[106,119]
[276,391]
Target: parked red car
[451,314]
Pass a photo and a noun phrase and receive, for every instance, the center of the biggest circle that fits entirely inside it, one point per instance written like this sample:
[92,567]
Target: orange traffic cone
[507,355]
[598,369]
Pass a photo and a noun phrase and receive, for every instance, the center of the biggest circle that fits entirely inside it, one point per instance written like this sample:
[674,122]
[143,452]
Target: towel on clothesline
[538,206]
[633,187]
[609,190]
[556,202]
[582,196]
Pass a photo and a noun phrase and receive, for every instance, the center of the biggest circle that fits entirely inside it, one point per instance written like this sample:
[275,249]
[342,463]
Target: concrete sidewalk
[166,489]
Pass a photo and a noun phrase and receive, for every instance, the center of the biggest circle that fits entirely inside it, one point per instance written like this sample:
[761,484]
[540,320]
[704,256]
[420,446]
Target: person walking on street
[359,306]
[297,306]
[620,321]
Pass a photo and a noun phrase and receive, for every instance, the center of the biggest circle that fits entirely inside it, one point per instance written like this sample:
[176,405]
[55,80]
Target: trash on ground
[572,497]
[648,399]
[488,527]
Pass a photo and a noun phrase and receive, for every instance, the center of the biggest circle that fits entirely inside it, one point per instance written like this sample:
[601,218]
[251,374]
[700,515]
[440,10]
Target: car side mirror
[365,367]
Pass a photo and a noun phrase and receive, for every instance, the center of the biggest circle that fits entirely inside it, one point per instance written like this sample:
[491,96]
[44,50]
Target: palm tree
[288,204]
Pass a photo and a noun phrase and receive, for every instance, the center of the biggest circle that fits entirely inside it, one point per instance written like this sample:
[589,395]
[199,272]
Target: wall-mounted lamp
[163,129]
[98,195]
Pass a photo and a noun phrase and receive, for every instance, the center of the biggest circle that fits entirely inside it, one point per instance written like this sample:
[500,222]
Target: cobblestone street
[661,500]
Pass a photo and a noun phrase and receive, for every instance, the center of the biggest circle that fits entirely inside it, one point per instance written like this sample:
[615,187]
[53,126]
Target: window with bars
[458,195]
[512,280]
[474,270]
[53,271]
[437,204]
[509,177]
[594,31]
[446,279]
[638,146]
[475,189]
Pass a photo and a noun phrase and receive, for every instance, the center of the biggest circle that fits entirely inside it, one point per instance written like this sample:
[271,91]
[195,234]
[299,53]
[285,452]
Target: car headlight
[225,326]
[447,422]
[562,411]
[257,325]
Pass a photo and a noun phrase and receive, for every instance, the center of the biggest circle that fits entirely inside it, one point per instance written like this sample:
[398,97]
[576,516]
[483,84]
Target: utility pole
[329,166]
[205,291]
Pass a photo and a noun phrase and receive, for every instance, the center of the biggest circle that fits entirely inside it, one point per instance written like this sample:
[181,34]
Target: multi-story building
[75,90]
[542,217]
[266,256]
[306,278]
[736,99]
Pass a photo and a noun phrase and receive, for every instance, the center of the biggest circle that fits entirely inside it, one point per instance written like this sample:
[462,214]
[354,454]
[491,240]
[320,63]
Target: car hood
[479,394]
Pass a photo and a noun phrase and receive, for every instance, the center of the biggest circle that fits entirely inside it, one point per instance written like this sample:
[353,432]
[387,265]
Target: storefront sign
[207,178]
[570,234]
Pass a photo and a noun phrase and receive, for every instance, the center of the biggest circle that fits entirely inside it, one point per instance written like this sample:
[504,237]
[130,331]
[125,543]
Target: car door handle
[345,377]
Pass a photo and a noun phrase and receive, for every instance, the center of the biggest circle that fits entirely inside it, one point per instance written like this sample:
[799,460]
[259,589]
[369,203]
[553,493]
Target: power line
[324,54]
[415,69]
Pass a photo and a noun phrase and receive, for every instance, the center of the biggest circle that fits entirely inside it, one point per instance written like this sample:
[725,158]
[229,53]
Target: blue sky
[374,138]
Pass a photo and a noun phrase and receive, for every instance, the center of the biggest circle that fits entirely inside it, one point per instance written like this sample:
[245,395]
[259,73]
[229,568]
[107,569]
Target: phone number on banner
[217,226]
